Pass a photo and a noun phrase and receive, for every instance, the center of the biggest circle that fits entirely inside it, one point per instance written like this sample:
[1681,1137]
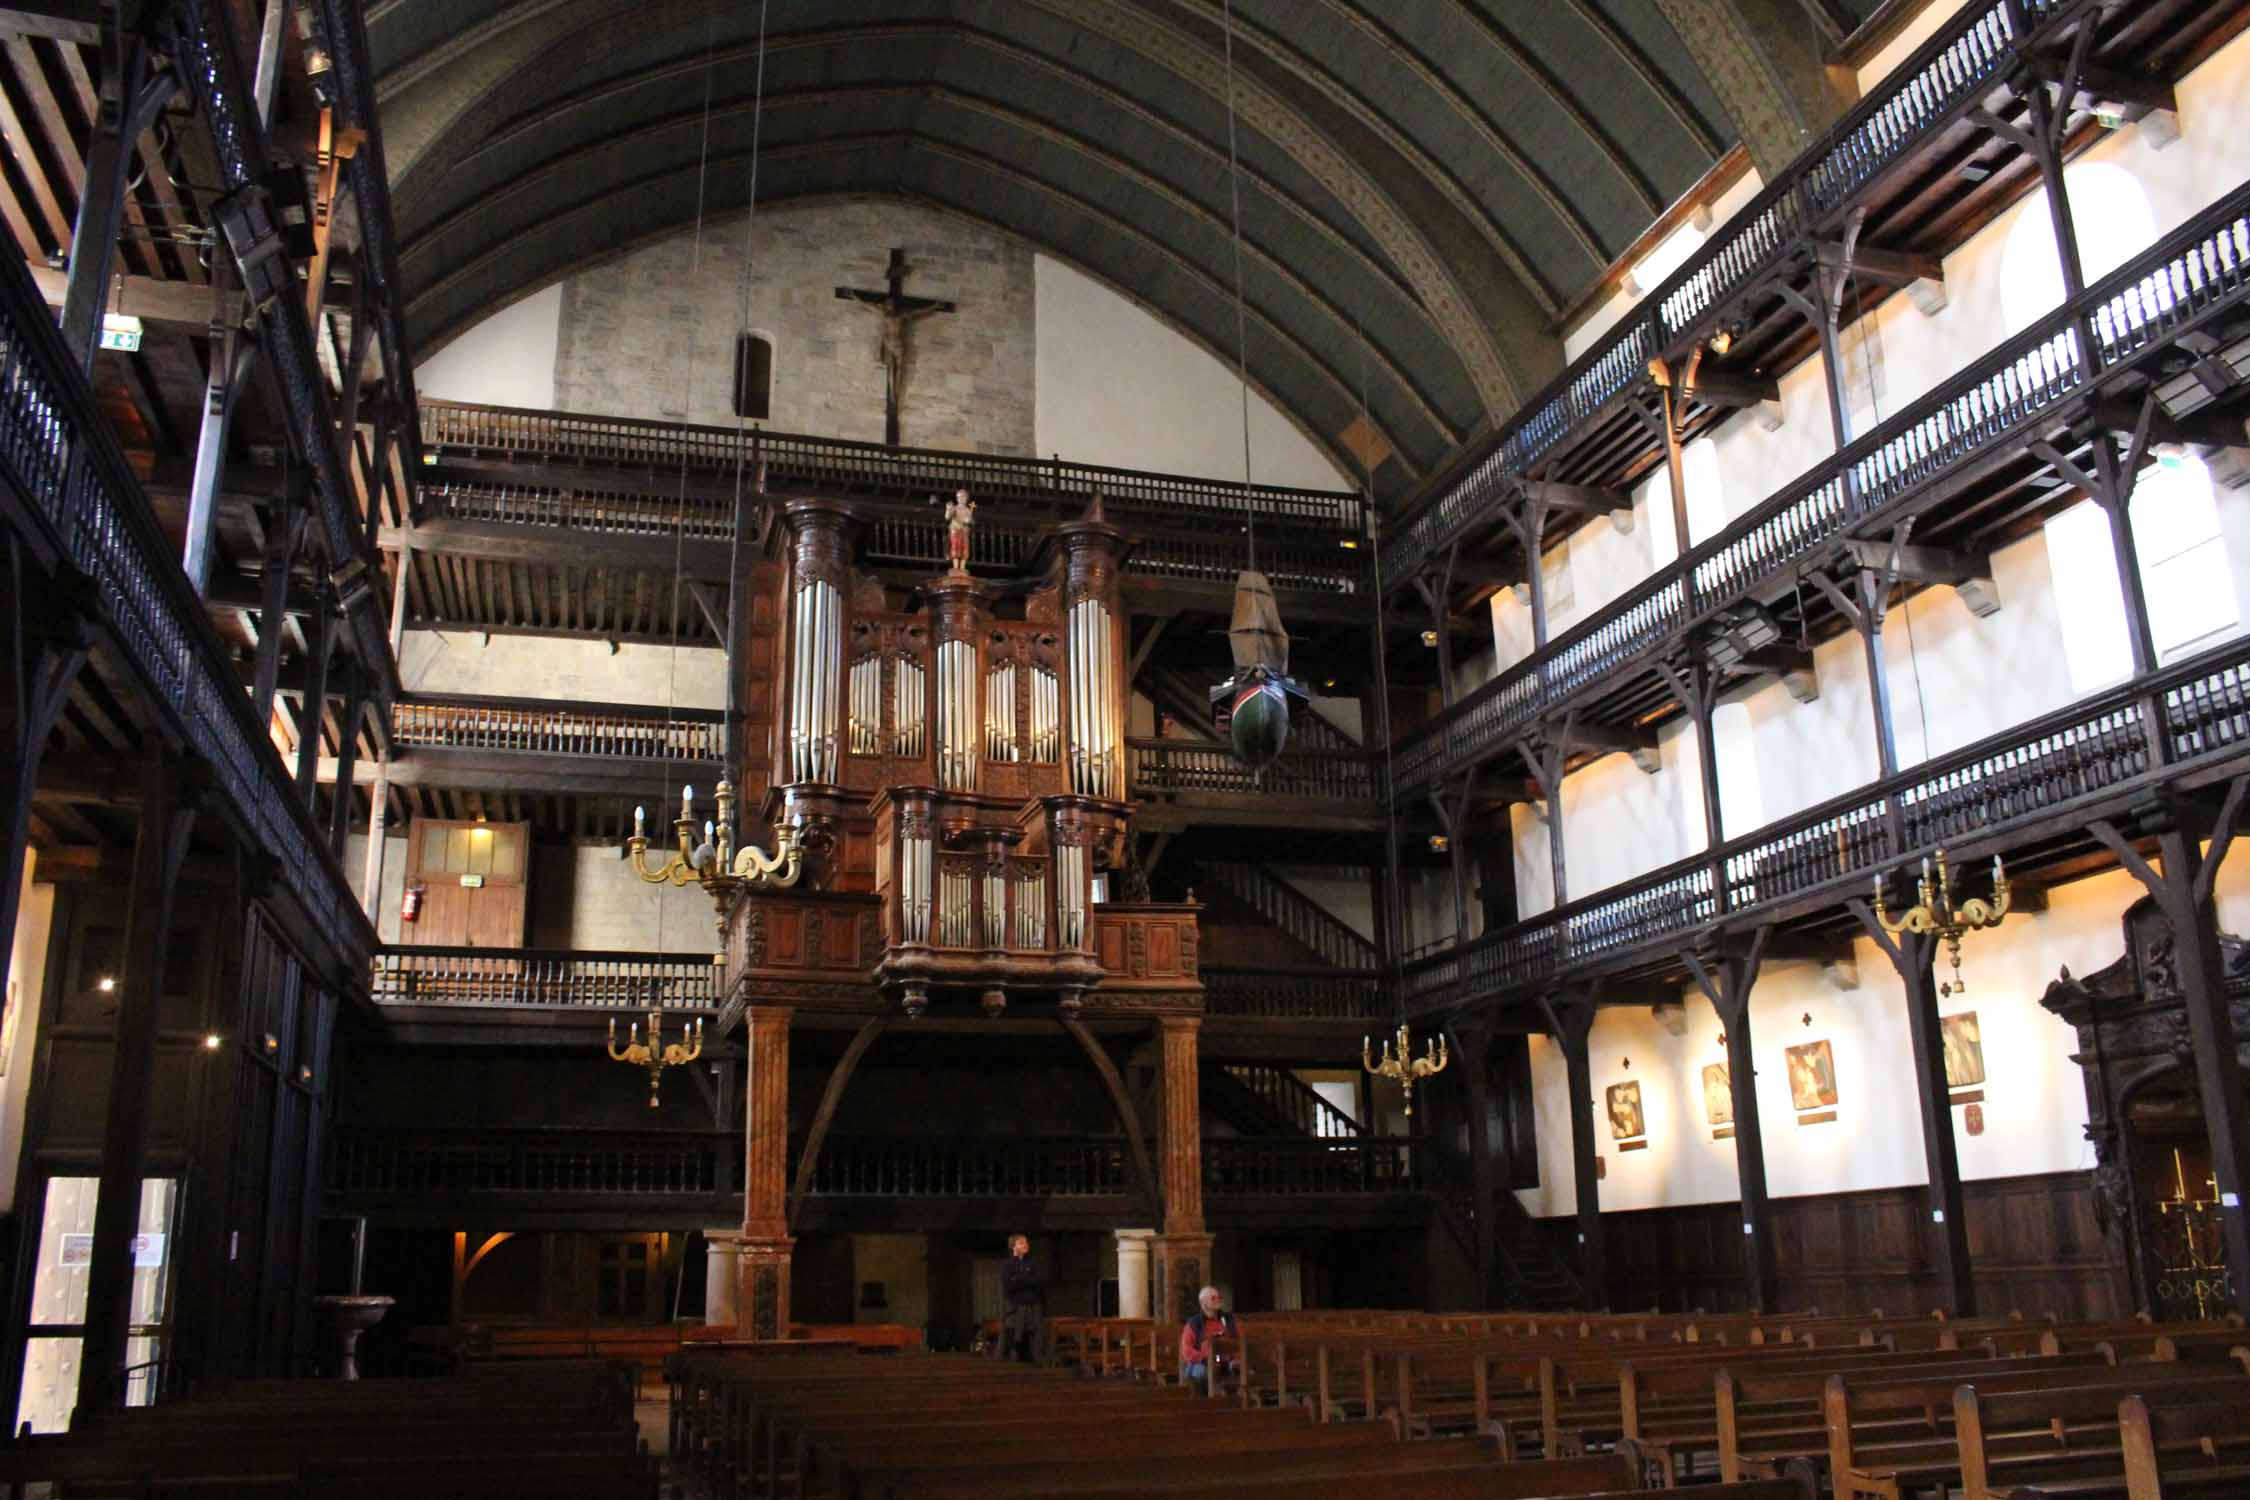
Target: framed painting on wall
[1964,1050]
[1812,1076]
[1718,1094]
[1625,1119]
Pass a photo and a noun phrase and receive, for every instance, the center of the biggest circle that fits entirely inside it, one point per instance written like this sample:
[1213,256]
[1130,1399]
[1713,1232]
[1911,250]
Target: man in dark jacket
[1023,1290]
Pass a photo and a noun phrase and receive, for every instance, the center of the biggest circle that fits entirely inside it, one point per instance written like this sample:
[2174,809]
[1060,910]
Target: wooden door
[472,880]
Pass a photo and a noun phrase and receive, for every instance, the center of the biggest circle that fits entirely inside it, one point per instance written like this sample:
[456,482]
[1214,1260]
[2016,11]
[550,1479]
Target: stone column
[1132,1272]
[762,1265]
[722,1291]
[1183,1250]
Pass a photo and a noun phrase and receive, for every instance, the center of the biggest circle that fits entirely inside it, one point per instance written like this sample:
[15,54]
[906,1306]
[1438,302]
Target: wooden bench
[1871,1455]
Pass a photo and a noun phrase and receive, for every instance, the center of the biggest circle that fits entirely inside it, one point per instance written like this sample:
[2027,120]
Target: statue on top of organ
[949,755]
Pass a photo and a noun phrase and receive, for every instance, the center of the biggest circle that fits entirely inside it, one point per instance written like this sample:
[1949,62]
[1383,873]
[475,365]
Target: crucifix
[899,311]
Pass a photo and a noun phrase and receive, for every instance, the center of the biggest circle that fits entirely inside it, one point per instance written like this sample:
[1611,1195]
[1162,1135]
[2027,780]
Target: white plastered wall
[2034,1095]
[1117,386]
[471,663]
[26,992]
[506,360]
[1955,678]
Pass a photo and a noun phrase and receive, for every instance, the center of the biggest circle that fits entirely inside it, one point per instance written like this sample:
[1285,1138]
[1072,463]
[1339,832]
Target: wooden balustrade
[537,727]
[1949,74]
[2093,752]
[581,510]
[2012,393]
[367,1163]
[1278,995]
[621,982]
[795,462]
[1165,765]
[1245,1166]
[1020,1167]
[77,505]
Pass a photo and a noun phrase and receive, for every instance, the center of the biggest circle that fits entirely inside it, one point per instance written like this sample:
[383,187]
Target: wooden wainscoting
[2033,1243]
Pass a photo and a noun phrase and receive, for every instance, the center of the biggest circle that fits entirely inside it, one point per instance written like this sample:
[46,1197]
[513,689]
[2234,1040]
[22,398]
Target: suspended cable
[1241,317]
[687,409]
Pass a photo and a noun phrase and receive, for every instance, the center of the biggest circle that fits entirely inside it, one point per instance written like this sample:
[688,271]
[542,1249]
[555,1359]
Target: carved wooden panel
[785,938]
[1109,940]
[2033,1244]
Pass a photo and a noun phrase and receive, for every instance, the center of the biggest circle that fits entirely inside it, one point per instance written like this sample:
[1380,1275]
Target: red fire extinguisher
[410,905]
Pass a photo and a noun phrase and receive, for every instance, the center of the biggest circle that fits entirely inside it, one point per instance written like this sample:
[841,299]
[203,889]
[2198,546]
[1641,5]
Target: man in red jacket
[1197,1333]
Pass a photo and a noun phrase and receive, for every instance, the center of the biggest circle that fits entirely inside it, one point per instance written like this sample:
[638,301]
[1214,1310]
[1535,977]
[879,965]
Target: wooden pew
[1870,1455]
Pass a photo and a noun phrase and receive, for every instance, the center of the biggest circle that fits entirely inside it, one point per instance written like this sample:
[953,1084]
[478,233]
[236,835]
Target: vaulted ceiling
[1426,184]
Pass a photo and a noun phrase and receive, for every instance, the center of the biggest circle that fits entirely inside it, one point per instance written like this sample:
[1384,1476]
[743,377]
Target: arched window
[753,377]
[2114,220]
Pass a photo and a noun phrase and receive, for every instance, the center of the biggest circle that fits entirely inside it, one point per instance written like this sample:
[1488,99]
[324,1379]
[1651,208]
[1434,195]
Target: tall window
[753,377]
[2114,221]
[2185,573]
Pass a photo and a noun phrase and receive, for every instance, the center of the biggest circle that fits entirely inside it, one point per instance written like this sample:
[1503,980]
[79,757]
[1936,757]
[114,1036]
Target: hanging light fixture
[1936,912]
[656,1054]
[1399,1061]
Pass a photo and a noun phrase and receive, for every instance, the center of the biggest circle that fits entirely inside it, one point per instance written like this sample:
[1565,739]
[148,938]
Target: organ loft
[939,773]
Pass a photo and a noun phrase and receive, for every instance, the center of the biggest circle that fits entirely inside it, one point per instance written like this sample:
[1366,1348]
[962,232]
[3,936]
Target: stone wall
[652,333]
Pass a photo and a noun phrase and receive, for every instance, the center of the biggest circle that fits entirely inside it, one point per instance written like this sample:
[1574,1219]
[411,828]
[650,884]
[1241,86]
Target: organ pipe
[1093,700]
[995,907]
[957,692]
[1046,718]
[1031,908]
[1000,714]
[867,706]
[815,669]
[912,695]
[914,888]
[1070,895]
[955,929]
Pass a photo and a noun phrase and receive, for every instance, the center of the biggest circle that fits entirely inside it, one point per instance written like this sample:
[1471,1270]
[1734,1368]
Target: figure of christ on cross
[899,311]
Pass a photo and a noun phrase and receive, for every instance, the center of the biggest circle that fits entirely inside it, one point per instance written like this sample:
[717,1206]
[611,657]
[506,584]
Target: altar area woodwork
[939,774]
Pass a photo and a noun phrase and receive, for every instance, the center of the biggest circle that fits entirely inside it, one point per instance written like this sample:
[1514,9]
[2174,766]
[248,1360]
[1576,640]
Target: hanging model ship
[1252,707]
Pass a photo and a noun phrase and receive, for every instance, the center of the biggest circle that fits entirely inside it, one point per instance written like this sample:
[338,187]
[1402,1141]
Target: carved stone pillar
[1183,1250]
[762,1281]
[722,1290]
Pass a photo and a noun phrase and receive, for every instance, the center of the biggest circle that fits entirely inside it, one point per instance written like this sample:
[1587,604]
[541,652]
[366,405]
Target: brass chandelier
[1935,912]
[723,869]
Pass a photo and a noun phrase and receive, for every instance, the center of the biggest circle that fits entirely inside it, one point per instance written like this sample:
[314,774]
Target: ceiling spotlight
[1439,843]
[1429,638]
[106,984]
[1722,342]
[211,1042]
[1348,543]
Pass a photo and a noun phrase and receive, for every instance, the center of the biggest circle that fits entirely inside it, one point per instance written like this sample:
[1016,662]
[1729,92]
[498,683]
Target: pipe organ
[952,757]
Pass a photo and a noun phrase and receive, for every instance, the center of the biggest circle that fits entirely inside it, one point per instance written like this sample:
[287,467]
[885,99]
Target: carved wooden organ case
[957,767]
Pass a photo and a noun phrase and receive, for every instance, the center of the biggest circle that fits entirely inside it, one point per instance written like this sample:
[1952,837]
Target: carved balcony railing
[600,511]
[1161,766]
[70,492]
[1294,560]
[1251,1167]
[1280,995]
[212,73]
[621,732]
[873,1166]
[797,464]
[549,978]
[2093,754]
[1950,74]
[2189,278]
[366,1163]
